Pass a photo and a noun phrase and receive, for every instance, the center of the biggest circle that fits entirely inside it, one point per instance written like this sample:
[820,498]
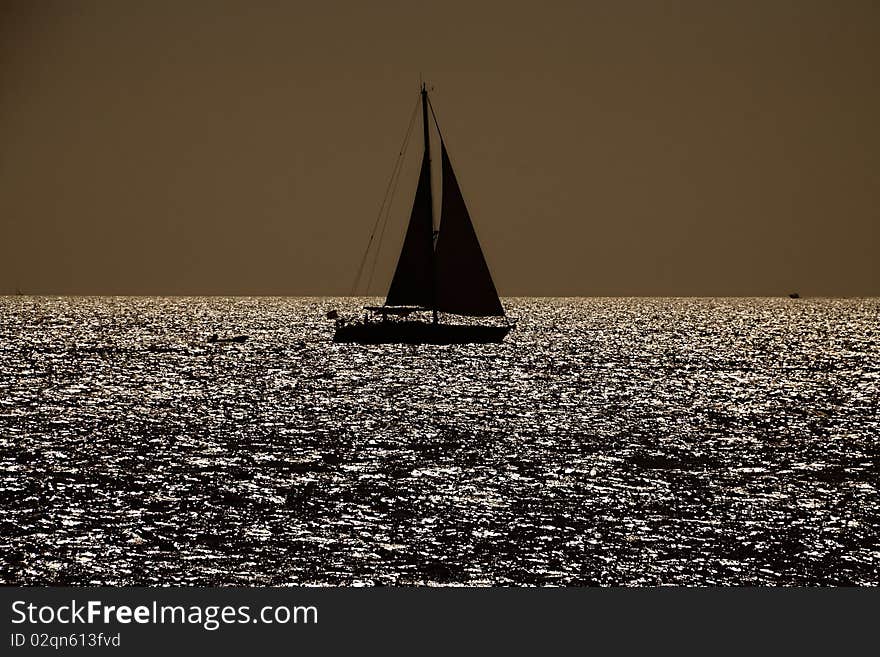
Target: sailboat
[438,271]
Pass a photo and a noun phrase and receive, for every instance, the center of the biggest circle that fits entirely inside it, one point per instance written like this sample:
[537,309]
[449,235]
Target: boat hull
[418,333]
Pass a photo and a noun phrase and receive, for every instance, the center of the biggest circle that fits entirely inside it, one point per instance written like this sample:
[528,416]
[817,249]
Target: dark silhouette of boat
[794,295]
[438,271]
[415,332]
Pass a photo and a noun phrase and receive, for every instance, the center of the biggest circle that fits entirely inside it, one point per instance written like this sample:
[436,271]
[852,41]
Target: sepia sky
[604,148]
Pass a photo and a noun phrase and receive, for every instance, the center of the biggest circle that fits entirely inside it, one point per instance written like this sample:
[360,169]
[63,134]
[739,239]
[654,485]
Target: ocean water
[607,441]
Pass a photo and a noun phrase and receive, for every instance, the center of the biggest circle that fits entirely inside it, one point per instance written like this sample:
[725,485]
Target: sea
[607,441]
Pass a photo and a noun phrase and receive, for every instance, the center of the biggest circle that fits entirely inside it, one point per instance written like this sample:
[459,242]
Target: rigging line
[394,172]
[382,231]
[388,207]
[436,122]
[382,207]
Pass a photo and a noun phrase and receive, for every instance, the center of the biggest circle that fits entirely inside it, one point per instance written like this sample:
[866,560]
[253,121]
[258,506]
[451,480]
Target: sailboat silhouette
[441,271]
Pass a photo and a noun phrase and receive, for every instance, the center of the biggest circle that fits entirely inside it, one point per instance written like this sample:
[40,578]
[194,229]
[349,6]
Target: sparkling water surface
[606,441]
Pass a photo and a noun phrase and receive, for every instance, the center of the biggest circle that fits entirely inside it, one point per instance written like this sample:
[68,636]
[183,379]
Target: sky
[619,148]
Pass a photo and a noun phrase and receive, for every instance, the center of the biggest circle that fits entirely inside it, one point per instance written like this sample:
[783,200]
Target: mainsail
[464,284]
[413,282]
[451,277]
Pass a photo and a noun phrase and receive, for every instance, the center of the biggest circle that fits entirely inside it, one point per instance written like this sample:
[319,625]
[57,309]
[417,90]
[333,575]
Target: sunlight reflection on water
[607,441]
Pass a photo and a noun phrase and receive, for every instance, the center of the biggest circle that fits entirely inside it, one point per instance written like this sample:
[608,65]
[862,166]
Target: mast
[427,138]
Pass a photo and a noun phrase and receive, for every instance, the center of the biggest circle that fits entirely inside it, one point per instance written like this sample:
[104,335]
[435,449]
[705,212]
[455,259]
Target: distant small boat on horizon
[441,270]
[794,295]
[214,339]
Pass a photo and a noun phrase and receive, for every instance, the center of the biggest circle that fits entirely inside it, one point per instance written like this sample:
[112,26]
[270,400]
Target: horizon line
[801,297]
